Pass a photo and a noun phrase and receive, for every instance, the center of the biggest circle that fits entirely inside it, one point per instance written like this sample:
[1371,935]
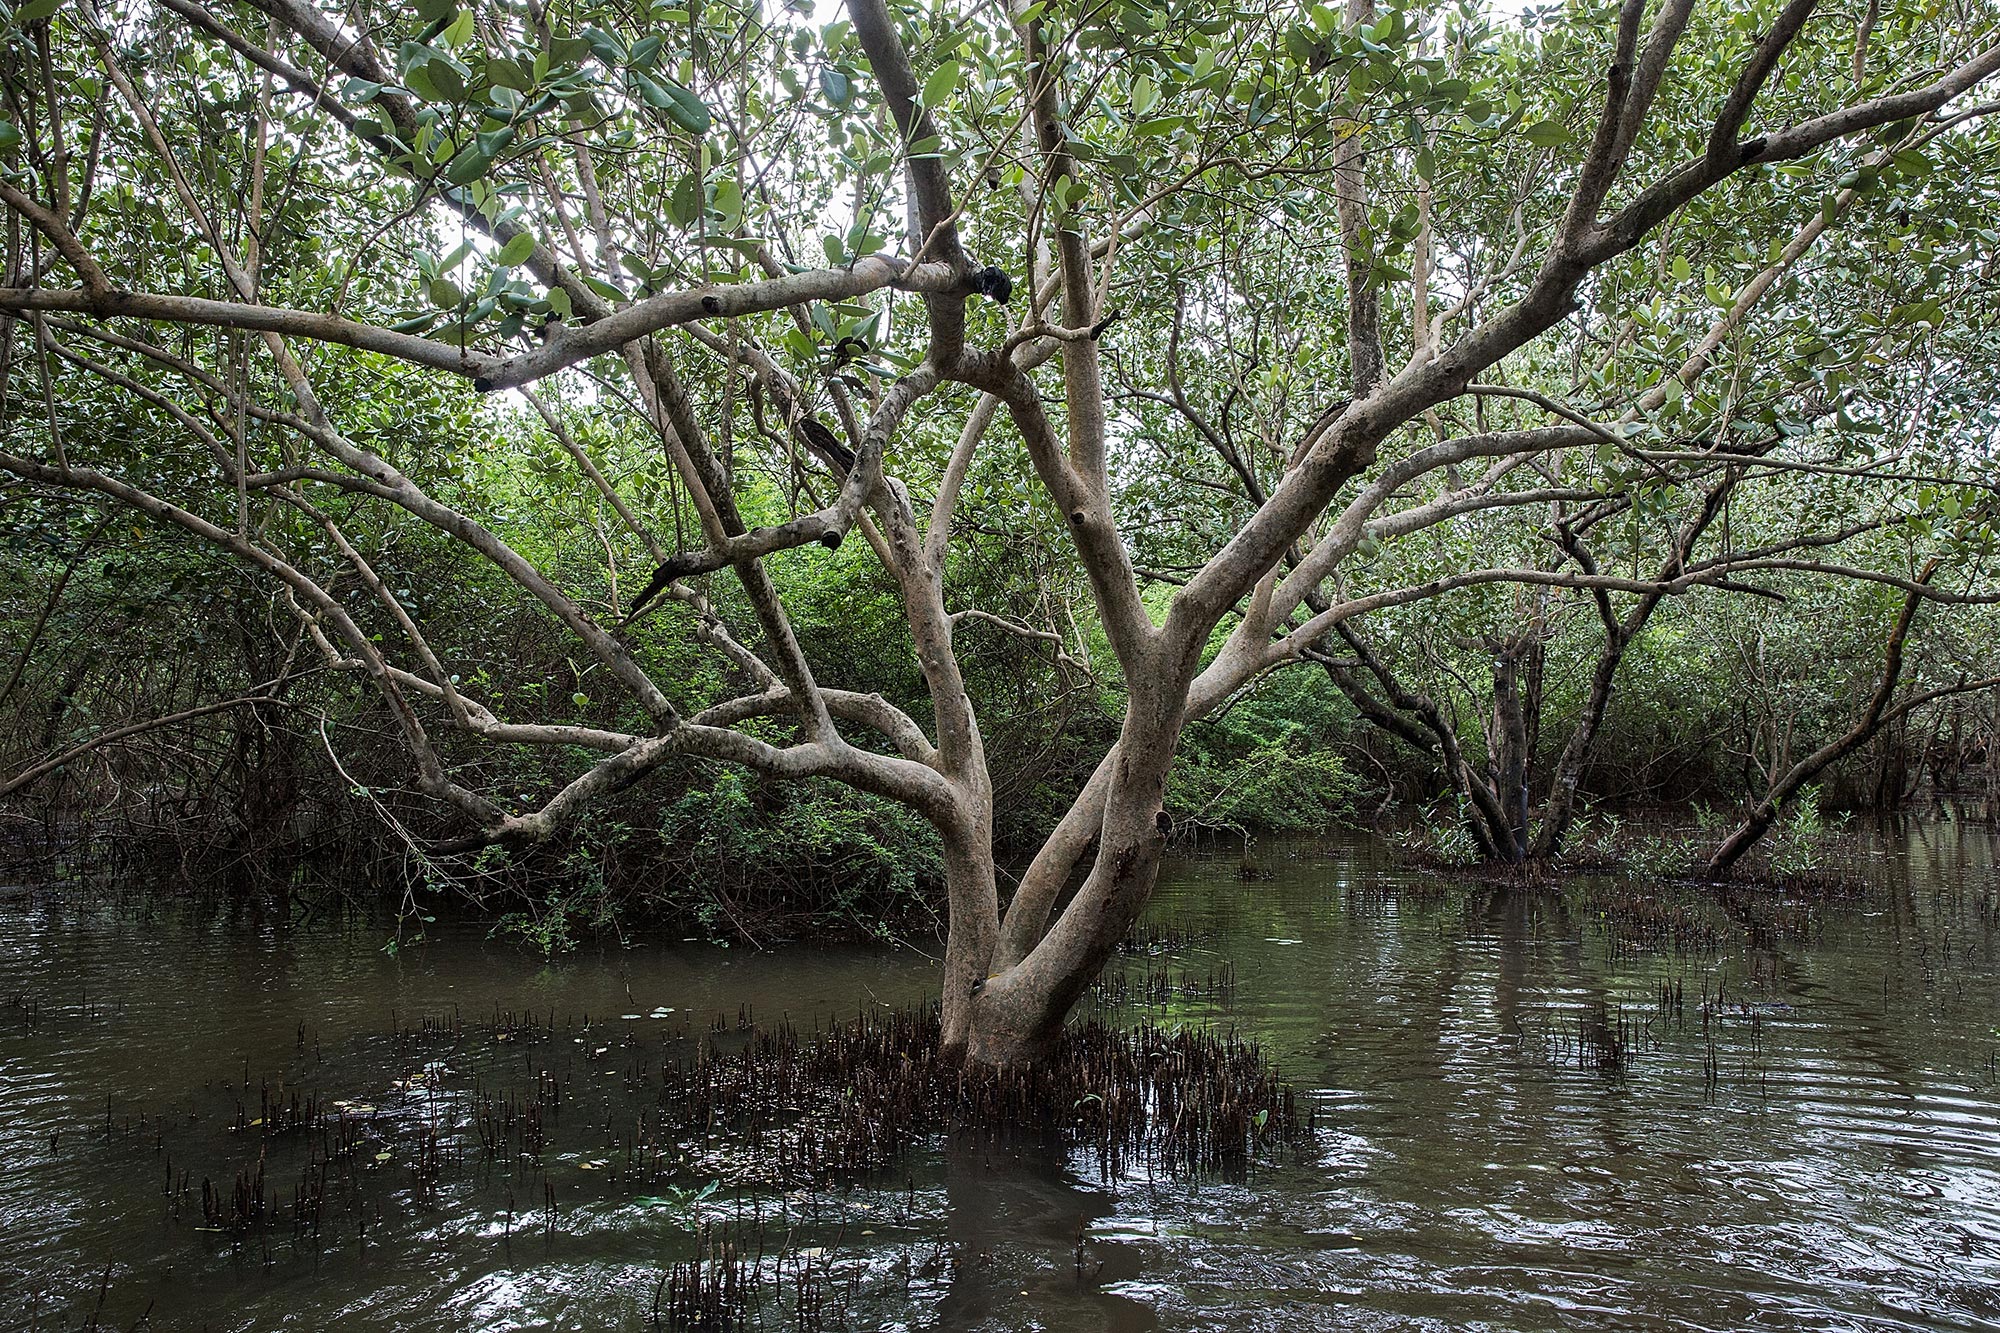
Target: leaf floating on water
[381,1156]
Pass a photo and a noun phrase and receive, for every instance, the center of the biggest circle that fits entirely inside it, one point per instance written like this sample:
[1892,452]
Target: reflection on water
[1614,1106]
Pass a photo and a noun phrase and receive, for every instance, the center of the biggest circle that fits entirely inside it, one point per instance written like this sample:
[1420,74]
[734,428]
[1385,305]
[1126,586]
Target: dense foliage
[562,450]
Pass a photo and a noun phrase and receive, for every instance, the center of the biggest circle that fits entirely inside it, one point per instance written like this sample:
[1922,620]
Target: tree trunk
[1747,834]
[1016,1015]
[1508,746]
[970,933]
[1992,744]
[1559,806]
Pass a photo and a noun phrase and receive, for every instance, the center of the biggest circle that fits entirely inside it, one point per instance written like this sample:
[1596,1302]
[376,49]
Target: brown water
[1515,1128]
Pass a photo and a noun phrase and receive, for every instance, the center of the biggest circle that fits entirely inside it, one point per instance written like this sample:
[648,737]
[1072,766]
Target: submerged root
[853,1101]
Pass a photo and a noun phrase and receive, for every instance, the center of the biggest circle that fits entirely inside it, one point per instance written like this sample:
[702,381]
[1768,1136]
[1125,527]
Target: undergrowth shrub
[1263,765]
[843,857]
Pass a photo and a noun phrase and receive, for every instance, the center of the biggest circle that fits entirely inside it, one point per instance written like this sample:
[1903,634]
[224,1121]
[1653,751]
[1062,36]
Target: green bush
[845,858]
[1262,763]
[1268,788]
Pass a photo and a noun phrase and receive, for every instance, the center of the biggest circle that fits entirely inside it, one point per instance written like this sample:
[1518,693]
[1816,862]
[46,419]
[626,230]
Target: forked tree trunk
[1017,1017]
[1620,633]
[1015,1013]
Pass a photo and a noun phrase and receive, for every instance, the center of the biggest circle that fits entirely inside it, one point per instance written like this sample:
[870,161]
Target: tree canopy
[1158,349]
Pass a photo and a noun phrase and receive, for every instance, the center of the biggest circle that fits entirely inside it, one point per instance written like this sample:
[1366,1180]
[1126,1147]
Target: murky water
[1616,1106]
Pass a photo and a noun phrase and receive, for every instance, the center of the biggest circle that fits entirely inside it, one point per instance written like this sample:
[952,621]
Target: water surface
[1620,1105]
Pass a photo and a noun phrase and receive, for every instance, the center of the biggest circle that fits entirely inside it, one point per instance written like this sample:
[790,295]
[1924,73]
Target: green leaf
[682,107]
[10,135]
[468,166]
[568,50]
[836,86]
[1547,134]
[516,251]
[651,91]
[418,79]
[689,112]
[495,142]
[35,11]
[684,205]
[559,302]
[1145,95]
[460,31]
[605,46]
[940,86]
[430,73]
[729,201]
[503,72]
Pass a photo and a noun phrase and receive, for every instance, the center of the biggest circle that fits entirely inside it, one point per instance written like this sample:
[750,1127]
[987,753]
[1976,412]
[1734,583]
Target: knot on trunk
[993,283]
